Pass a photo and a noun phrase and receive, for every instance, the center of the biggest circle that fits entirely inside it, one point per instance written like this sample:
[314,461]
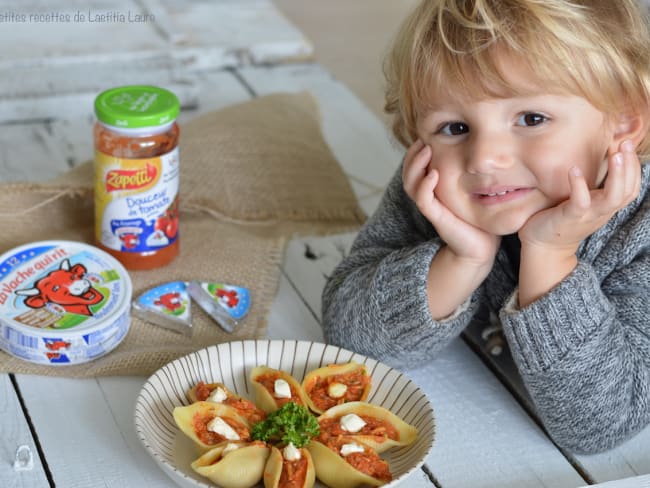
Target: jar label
[136,202]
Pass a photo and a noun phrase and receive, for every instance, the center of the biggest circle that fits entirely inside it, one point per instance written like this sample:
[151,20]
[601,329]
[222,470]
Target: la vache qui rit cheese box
[62,302]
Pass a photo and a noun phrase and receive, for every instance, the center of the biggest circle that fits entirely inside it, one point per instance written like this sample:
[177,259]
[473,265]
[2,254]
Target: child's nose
[488,152]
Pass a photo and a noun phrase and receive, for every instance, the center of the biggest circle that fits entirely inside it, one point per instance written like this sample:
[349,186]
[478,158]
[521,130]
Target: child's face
[501,160]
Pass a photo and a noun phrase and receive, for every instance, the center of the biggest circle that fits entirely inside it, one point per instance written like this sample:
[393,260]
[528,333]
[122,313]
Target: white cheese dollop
[219,426]
[336,390]
[352,423]
[347,449]
[291,452]
[282,389]
[218,395]
[230,447]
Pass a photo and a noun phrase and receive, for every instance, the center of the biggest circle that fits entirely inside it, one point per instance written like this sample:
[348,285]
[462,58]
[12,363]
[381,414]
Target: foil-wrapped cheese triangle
[226,304]
[167,305]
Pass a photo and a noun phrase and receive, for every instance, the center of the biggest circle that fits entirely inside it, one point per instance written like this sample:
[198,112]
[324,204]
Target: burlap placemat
[251,176]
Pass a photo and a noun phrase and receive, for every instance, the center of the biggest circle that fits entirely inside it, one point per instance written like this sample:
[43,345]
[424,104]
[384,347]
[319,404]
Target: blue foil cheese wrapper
[167,306]
[62,302]
[226,304]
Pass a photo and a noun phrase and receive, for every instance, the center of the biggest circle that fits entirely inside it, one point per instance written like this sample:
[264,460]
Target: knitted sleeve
[583,349]
[375,301]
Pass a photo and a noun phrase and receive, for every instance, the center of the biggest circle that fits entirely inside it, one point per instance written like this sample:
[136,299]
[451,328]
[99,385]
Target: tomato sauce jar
[137,175]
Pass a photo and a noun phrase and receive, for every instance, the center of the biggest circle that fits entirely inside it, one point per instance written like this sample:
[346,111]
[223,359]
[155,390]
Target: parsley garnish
[290,423]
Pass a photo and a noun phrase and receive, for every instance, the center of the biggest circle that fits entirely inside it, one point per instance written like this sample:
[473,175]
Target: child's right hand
[463,239]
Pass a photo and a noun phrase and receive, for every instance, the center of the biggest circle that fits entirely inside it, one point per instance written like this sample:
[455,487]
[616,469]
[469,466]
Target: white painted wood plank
[203,34]
[483,437]
[53,31]
[40,150]
[631,458]
[633,482]
[290,318]
[28,152]
[72,106]
[309,260]
[15,433]
[92,76]
[80,438]
[254,29]
[120,394]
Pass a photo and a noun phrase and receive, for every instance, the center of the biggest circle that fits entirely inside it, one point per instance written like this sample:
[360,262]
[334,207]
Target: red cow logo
[56,344]
[130,241]
[228,296]
[67,287]
[169,301]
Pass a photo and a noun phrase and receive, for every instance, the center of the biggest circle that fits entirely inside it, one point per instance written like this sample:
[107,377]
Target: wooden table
[81,431]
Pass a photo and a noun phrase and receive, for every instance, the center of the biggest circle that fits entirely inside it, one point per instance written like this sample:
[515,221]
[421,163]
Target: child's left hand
[563,227]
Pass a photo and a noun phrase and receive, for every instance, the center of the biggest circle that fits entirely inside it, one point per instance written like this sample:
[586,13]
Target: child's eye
[454,129]
[530,119]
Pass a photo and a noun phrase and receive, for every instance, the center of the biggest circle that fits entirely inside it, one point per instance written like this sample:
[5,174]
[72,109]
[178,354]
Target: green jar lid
[136,106]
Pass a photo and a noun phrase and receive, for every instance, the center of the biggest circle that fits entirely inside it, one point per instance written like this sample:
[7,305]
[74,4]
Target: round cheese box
[62,302]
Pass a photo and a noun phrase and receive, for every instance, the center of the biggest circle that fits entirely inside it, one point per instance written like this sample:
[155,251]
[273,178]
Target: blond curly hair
[596,49]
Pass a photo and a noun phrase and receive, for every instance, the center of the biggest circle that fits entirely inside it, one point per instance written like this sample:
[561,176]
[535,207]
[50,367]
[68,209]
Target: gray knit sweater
[583,349]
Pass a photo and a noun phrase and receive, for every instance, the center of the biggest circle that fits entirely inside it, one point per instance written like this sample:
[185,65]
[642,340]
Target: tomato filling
[356,382]
[200,423]
[245,408]
[368,462]
[267,380]
[294,473]
[202,391]
[379,430]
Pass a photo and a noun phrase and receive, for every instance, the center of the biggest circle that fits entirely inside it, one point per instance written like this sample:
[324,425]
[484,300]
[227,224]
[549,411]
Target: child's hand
[563,227]
[462,239]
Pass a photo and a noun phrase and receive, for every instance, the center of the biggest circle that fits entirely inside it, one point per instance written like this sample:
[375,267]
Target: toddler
[521,193]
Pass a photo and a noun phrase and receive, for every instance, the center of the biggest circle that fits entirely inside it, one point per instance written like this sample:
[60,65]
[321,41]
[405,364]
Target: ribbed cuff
[405,293]
[558,322]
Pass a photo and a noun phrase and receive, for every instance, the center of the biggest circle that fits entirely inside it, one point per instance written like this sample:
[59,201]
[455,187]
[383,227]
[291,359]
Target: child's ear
[629,125]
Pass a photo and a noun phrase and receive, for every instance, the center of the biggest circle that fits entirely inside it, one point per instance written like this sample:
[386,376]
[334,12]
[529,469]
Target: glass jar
[137,175]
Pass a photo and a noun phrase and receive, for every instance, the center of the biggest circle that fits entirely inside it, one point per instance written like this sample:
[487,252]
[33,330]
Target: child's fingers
[413,149]
[632,171]
[415,169]
[580,198]
[425,198]
[614,190]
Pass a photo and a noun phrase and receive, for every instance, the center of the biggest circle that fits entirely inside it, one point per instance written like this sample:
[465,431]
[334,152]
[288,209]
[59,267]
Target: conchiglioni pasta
[361,468]
[206,392]
[336,384]
[375,426]
[281,472]
[268,397]
[234,464]
[198,420]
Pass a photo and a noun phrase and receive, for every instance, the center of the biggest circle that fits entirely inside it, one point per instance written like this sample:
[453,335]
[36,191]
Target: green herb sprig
[290,423]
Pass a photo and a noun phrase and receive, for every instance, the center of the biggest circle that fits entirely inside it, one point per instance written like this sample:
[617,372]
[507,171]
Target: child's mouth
[501,195]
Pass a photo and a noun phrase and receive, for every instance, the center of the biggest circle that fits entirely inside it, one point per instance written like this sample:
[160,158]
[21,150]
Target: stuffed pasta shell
[218,393]
[234,464]
[346,463]
[289,467]
[335,384]
[273,388]
[209,424]
[373,425]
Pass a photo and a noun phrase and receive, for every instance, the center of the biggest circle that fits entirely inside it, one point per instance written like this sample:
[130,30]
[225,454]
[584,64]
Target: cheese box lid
[61,288]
